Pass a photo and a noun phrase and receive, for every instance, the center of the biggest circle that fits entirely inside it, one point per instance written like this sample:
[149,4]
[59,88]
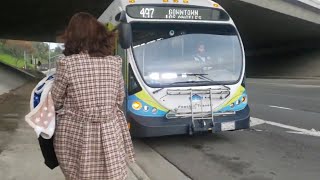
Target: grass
[8,59]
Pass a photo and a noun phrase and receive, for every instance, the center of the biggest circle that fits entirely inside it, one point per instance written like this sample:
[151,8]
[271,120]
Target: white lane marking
[295,130]
[279,107]
[317,134]
[258,130]
[288,85]
[256,121]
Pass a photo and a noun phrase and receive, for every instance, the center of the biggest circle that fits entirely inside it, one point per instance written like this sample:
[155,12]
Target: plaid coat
[92,139]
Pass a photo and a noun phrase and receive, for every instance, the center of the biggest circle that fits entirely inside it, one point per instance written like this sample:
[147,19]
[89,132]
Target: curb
[284,77]
[138,172]
[155,165]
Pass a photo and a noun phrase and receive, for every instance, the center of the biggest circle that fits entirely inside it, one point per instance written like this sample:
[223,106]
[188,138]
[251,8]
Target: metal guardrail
[313,3]
[51,65]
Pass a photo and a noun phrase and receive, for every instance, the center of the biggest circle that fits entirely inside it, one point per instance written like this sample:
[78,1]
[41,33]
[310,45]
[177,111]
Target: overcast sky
[54,45]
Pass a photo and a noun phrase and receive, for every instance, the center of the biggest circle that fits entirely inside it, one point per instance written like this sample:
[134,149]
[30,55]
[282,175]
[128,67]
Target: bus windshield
[167,54]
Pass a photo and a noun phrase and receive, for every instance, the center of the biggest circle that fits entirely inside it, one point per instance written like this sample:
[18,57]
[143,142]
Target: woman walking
[92,139]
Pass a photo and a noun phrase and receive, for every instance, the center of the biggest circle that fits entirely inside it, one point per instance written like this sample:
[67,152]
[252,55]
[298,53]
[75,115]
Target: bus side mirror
[125,35]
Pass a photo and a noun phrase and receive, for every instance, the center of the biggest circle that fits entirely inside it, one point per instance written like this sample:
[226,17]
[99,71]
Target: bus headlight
[137,105]
[237,102]
[154,110]
[232,105]
[146,108]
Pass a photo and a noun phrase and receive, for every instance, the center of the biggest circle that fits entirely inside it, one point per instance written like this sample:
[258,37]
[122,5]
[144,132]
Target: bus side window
[134,86]
[121,52]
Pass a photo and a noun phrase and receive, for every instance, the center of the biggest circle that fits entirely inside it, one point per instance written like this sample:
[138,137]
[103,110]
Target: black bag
[49,155]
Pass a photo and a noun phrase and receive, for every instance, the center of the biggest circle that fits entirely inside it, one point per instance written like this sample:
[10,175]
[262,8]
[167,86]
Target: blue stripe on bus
[142,111]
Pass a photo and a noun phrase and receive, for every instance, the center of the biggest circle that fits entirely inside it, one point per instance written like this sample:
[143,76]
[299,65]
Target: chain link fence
[51,65]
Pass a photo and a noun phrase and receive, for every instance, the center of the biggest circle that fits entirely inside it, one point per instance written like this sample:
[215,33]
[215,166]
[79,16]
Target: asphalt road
[9,79]
[284,142]
[9,112]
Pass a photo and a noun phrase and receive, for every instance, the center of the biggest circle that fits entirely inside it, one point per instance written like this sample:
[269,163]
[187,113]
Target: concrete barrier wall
[10,79]
[303,63]
[26,74]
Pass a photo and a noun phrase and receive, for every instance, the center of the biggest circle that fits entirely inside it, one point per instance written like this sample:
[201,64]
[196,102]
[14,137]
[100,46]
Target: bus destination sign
[179,13]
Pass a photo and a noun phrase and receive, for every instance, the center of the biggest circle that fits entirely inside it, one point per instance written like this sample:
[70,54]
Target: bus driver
[202,58]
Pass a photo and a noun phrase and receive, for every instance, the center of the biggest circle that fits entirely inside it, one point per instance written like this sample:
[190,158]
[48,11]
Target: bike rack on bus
[220,93]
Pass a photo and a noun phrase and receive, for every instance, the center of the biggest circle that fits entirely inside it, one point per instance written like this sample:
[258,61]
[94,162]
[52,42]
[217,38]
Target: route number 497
[147,12]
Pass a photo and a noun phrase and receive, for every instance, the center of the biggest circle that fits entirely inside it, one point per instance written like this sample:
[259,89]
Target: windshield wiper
[182,82]
[203,76]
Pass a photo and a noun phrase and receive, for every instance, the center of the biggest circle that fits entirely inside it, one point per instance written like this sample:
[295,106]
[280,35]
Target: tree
[2,42]
[17,48]
[41,51]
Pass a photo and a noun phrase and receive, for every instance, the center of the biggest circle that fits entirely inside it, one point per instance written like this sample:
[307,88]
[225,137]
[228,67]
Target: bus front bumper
[153,127]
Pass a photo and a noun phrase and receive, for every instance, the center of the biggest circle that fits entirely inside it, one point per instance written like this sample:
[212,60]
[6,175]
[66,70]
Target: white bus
[184,66]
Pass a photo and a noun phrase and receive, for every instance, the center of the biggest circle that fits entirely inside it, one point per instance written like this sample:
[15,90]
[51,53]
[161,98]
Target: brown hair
[85,34]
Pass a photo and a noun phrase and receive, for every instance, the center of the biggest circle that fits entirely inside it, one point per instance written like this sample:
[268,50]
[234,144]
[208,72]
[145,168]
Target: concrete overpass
[266,26]
[40,20]
[262,23]
[274,23]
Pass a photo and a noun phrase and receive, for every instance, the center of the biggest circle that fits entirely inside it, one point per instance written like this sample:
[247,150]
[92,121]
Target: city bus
[183,66]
